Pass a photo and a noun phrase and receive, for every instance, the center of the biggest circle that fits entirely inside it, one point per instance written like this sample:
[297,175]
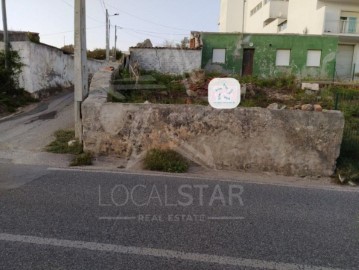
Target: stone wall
[46,66]
[244,139]
[167,60]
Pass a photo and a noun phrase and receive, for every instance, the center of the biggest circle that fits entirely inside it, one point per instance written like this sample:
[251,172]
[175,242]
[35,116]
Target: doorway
[248,58]
[344,63]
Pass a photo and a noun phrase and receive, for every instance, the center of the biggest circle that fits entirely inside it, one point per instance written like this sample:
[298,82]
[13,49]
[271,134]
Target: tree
[184,43]
[68,49]
[145,44]
[169,44]
[9,78]
[99,54]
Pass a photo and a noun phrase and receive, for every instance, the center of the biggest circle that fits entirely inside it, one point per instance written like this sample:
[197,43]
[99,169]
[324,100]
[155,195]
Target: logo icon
[224,93]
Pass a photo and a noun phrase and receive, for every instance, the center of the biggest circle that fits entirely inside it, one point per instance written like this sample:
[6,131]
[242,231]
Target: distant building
[326,18]
[315,17]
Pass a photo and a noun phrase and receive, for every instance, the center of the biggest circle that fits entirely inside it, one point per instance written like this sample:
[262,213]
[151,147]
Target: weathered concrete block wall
[167,60]
[243,139]
[46,67]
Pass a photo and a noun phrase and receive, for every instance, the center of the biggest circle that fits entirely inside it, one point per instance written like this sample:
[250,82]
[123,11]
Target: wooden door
[248,57]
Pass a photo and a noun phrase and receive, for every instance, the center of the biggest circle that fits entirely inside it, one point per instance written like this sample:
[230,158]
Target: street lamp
[108,35]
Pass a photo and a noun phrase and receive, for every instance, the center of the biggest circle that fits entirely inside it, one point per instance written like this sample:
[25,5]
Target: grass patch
[83,159]
[173,93]
[61,146]
[165,161]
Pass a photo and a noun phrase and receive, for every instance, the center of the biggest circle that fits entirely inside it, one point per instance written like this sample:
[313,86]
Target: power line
[86,15]
[151,32]
[141,37]
[102,5]
[148,21]
[70,31]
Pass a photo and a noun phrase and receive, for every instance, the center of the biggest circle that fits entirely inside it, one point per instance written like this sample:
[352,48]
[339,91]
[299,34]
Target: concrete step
[122,87]
[146,79]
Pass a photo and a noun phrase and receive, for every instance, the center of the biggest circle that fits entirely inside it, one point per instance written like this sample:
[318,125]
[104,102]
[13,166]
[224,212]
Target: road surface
[73,219]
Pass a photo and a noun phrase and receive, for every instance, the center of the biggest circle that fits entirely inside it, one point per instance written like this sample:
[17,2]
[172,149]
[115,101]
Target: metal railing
[342,27]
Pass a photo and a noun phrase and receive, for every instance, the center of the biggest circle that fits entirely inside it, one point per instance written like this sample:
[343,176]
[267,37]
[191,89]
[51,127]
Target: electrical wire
[71,31]
[88,16]
[146,20]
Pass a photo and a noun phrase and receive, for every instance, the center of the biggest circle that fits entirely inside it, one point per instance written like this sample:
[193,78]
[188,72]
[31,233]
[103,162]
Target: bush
[165,161]
[83,159]
[9,77]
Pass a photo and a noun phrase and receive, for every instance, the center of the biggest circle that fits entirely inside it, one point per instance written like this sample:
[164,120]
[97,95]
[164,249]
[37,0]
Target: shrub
[165,161]
[60,144]
[83,159]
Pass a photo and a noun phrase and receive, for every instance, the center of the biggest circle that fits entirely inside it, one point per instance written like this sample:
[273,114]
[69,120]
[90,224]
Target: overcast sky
[159,20]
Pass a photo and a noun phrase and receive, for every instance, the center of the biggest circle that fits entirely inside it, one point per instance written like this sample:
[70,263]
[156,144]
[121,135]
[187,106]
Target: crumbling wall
[244,139]
[167,60]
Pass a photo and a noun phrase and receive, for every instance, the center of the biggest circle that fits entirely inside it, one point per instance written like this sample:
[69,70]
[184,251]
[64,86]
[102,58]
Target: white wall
[46,67]
[304,17]
[167,60]
[231,16]
[277,10]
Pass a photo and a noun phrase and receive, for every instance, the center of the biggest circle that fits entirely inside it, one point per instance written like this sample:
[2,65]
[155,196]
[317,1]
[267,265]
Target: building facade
[270,55]
[327,18]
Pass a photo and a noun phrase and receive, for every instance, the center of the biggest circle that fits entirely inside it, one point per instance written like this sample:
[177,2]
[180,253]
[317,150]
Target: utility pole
[107,38]
[6,36]
[108,35]
[81,73]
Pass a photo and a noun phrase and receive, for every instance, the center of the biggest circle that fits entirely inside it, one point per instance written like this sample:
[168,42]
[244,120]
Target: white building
[312,17]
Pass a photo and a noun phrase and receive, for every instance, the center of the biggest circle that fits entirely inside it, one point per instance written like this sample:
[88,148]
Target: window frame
[224,56]
[320,58]
[289,58]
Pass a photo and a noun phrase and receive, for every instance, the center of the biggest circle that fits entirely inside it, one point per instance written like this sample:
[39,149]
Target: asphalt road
[24,136]
[61,219]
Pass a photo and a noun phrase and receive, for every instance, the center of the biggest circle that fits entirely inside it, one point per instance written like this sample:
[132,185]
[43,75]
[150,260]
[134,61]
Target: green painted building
[268,55]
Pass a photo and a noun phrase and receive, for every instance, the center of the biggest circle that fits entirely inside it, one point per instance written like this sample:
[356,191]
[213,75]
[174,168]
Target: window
[283,58]
[219,56]
[313,58]
[282,26]
[256,8]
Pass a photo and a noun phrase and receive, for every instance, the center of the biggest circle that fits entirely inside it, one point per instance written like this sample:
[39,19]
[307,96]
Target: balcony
[345,27]
[350,2]
[274,9]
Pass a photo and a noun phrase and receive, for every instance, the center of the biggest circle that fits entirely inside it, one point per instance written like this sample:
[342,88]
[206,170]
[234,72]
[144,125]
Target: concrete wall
[244,139]
[46,67]
[167,60]
[266,47]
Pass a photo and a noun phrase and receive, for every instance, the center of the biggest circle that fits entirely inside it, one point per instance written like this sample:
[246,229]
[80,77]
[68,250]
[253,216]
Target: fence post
[336,101]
